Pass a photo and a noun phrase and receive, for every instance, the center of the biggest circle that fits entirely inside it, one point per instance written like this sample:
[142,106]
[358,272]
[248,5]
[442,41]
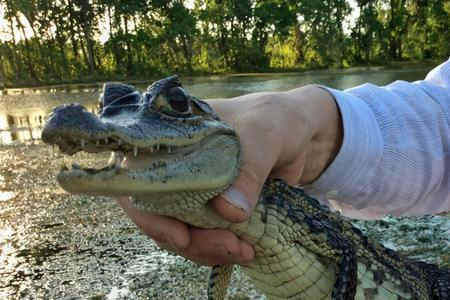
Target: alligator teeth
[151,149]
[169,150]
[97,142]
[135,150]
[118,163]
[83,143]
[112,158]
[119,142]
[115,162]
[157,147]
[67,164]
[158,163]
[106,140]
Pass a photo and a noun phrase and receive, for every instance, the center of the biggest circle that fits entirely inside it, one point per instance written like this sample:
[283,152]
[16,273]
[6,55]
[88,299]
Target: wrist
[319,130]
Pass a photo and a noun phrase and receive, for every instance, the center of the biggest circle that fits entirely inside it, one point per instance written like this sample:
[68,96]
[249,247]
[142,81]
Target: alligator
[184,155]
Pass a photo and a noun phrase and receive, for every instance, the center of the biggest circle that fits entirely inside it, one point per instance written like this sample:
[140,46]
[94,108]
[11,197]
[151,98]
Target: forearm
[321,121]
[394,157]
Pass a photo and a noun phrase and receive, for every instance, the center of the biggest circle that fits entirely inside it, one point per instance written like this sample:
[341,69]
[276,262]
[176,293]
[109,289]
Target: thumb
[238,201]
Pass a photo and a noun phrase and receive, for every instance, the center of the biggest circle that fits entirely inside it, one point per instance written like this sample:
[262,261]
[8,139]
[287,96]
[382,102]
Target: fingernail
[236,198]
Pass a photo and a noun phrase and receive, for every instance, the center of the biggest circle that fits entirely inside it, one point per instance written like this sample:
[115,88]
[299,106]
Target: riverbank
[97,80]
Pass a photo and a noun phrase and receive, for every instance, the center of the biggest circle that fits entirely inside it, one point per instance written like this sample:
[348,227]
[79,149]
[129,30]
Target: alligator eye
[177,99]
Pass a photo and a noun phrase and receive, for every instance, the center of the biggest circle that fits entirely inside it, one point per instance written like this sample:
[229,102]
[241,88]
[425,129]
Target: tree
[145,38]
[322,23]
[367,32]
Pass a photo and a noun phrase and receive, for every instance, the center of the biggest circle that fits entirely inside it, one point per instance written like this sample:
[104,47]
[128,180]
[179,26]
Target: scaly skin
[172,154]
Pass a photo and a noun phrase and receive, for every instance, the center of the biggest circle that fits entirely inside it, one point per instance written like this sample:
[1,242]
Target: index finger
[162,229]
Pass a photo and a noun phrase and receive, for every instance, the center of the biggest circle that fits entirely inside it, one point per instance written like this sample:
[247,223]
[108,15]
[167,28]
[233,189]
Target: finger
[165,230]
[216,247]
[237,202]
[204,246]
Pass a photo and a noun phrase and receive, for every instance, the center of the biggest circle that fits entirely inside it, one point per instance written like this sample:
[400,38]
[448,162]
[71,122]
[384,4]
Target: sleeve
[395,156]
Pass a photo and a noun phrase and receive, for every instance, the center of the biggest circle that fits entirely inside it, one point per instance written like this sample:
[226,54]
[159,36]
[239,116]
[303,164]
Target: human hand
[292,135]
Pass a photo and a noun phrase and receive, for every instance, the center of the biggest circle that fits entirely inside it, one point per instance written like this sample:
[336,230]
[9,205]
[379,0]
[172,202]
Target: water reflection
[21,128]
[5,196]
[23,111]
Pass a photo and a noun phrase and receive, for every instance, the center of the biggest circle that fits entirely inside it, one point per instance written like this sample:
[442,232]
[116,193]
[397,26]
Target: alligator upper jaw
[74,129]
[71,144]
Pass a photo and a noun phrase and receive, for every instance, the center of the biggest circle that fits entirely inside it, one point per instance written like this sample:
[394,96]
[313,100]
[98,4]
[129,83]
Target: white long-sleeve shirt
[395,156]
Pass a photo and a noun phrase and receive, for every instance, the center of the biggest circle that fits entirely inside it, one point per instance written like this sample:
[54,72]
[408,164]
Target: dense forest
[46,41]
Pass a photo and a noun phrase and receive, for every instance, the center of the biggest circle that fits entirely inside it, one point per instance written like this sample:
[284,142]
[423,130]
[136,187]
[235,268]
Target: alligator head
[168,147]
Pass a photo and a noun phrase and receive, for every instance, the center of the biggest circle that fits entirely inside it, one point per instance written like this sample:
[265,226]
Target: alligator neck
[204,216]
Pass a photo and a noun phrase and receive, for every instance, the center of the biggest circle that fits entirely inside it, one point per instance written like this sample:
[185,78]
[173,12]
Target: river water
[59,246]
[23,111]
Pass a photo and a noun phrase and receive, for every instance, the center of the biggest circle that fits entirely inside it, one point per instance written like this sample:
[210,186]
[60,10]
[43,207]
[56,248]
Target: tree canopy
[82,40]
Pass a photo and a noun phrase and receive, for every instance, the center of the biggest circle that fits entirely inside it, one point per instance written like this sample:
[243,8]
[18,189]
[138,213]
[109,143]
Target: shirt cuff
[359,155]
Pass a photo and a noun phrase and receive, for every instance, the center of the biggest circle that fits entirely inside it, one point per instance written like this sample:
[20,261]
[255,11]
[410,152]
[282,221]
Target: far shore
[96,81]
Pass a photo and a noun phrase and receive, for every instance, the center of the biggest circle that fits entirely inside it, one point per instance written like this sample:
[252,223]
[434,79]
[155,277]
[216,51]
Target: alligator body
[171,154]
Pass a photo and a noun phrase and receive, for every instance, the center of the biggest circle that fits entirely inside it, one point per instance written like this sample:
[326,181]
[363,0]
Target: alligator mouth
[159,169]
[124,155]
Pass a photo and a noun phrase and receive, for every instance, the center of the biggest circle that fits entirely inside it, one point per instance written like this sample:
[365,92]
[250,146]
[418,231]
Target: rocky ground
[59,246]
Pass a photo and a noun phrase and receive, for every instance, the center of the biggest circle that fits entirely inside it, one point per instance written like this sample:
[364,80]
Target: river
[59,246]
[23,111]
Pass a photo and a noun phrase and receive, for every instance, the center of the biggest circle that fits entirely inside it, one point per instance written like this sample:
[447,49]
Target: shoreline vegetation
[79,41]
[97,81]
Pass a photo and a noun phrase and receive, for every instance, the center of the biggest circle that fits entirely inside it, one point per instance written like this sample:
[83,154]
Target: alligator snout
[72,121]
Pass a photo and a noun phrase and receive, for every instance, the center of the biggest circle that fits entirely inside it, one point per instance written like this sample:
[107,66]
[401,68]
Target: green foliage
[81,40]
